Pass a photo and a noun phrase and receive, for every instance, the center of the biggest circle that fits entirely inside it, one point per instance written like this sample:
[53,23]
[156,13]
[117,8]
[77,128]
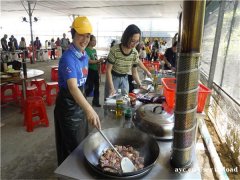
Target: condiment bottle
[128,118]
[119,103]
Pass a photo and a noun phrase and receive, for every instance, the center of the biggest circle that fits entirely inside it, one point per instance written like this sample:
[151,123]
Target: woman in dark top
[170,58]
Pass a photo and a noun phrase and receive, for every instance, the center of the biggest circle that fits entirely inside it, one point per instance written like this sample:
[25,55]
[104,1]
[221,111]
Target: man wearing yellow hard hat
[72,111]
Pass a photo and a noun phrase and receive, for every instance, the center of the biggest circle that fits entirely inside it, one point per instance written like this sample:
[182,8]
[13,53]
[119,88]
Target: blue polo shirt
[73,64]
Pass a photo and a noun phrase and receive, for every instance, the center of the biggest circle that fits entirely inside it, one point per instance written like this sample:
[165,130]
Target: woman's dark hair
[174,44]
[91,38]
[73,32]
[112,43]
[128,34]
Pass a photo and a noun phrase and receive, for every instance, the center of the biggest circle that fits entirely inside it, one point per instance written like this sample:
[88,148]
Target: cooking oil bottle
[119,104]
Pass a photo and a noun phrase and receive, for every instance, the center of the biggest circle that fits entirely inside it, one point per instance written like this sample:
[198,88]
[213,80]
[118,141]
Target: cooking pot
[147,146]
[154,120]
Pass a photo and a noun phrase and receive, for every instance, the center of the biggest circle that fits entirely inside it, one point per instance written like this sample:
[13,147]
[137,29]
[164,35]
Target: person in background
[163,47]
[64,43]
[93,74]
[72,112]
[13,44]
[4,43]
[148,51]
[68,41]
[58,47]
[155,50]
[141,51]
[23,47]
[5,55]
[170,57]
[37,43]
[122,59]
[58,42]
[53,47]
[37,46]
[46,44]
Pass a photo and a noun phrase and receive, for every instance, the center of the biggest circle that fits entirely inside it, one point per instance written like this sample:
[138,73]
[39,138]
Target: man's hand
[169,65]
[173,69]
[143,87]
[149,74]
[112,91]
[93,118]
[101,60]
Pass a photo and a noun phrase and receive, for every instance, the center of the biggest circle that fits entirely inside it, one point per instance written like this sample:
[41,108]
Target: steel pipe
[187,77]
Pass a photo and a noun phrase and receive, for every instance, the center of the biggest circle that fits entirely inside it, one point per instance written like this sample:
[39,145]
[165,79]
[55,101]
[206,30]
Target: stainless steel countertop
[76,167]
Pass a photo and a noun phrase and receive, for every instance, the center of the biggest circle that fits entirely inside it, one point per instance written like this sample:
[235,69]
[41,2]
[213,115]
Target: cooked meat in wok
[110,161]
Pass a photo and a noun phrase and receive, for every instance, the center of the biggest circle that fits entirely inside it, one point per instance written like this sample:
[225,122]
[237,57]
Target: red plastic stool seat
[41,86]
[31,91]
[50,94]
[8,93]
[35,107]
[54,74]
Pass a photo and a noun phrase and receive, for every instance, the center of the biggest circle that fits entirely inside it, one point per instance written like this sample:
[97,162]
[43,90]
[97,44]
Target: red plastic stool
[41,86]
[8,93]
[50,95]
[35,107]
[103,68]
[54,74]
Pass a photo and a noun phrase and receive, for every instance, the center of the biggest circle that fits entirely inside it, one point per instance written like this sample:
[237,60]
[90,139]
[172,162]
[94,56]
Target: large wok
[147,146]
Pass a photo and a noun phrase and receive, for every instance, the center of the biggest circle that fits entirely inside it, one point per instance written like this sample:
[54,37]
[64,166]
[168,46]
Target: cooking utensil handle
[110,143]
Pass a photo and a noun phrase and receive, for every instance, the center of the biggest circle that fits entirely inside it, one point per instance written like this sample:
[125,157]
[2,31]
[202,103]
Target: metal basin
[146,145]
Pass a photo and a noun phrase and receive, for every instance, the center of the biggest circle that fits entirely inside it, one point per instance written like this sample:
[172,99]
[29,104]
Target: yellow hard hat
[82,25]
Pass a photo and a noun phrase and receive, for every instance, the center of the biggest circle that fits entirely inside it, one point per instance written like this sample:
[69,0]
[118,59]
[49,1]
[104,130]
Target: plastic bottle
[119,103]
[128,118]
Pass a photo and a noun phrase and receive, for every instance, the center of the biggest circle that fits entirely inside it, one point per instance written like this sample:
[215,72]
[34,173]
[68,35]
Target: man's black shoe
[96,105]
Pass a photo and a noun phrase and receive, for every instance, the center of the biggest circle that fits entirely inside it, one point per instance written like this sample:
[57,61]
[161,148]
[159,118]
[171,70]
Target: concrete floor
[32,155]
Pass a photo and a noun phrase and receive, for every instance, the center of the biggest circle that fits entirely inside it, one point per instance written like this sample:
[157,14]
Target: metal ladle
[126,163]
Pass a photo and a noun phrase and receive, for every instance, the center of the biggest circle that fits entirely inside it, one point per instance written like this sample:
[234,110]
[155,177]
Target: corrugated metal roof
[99,8]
